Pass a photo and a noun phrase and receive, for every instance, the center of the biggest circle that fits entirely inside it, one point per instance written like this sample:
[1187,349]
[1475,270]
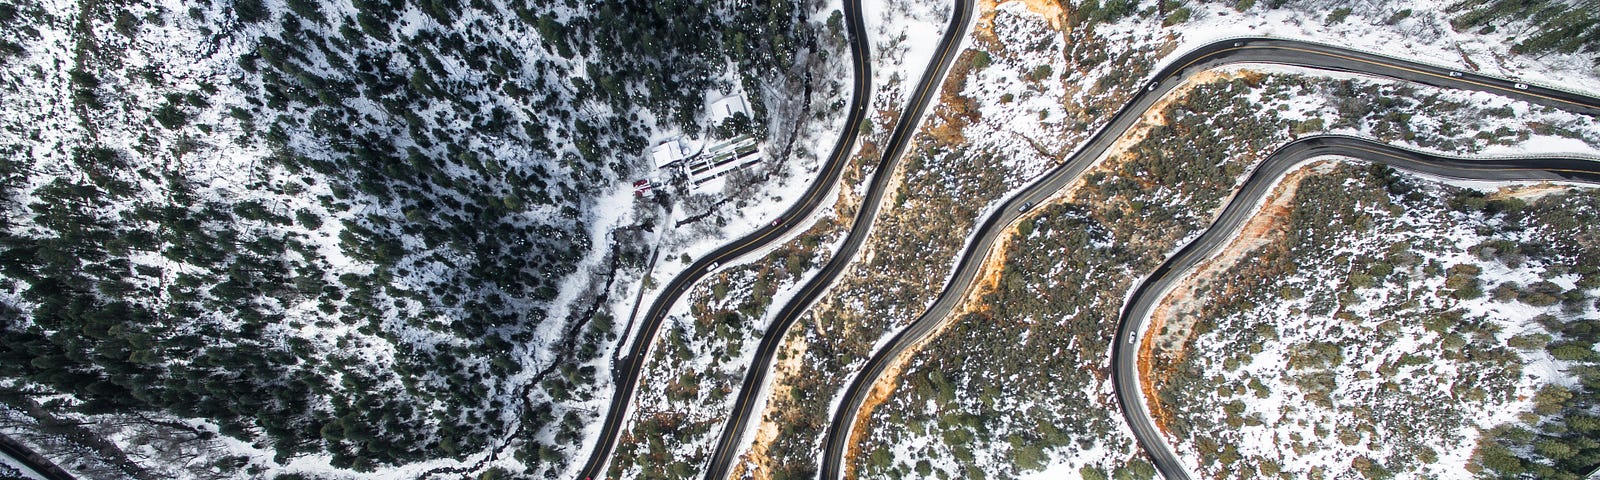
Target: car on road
[1521,86]
[777,221]
[1455,74]
[1238,44]
[1024,207]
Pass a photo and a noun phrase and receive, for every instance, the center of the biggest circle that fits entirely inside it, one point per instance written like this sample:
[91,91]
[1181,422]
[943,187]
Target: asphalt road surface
[1125,351]
[36,463]
[1230,51]
[744,410]
[625,370]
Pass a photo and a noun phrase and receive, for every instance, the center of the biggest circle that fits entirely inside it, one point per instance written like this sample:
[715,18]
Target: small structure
[668,152]
[640,187]
[677,159]
[722,158]
[726,107]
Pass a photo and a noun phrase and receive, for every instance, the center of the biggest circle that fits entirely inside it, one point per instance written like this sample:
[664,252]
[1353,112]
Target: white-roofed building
[667,152]
[724,108]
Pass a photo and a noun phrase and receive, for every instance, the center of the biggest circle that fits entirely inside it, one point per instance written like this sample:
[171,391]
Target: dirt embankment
[1170,327]
[1171,323]
[993,267]
[953,114]
[954,111]
[987,281]
[1157,114]
[756,460]
[1529,193]
[994,263]
[1051,10]
[983,30]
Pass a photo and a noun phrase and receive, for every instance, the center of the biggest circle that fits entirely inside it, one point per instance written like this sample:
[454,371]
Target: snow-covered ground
[902,36]
[12,468]
[1031,116]
[1390,375]
[146,56]
[1016,110]
[1420,31]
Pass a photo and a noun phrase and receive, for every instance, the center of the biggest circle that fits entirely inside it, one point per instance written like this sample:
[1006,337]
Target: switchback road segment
[625,371]
[1257,50]
[1259,183]
[745,405]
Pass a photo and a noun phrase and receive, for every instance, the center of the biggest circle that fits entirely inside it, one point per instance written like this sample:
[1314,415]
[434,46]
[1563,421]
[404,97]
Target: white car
[1455,74]
[1521,86]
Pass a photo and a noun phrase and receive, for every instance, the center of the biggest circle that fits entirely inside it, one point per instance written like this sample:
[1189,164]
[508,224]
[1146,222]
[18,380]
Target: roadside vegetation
[1400,328]
[1038,331]
[344,230]
[701,358]
[953,418]
[1038,399]
[945,184]
[1541,26]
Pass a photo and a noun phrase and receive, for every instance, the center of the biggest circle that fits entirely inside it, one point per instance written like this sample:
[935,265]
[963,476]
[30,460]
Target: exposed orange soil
[1160,416]
[1051,10]
[953,113]
[885,386]
[880,393]
[1156,115]
[988,279]
[1529,193]
[983,29]
[994,266]
[756,460]
[1171,322]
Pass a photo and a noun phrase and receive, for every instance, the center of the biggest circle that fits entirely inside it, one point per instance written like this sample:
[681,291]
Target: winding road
[744,410]
[1260,50]
[628,369]
[625,370]
[35,463]
[1125,353]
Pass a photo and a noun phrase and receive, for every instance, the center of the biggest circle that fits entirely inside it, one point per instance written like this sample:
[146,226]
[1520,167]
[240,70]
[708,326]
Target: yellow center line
[739,416]
[922,97]
[1389,65]
[1431,74]
[1487,169]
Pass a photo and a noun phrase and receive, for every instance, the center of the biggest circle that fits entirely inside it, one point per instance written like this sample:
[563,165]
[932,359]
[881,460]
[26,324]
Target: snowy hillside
[1044,76]
[411,239]
[361,236]
[1389,322]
